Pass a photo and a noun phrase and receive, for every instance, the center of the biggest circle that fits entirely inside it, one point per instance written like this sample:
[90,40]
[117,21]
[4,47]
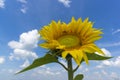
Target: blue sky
[20,21]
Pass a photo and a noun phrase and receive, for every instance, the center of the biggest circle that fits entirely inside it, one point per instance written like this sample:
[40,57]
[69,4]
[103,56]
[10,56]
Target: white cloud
[47,71]
[15,44]
[114,63]
[25,64]
[112,44]
[23,1]
[23,49]
[104,72]
[11,71]
[104,63]
[114,76]
[7,71]
[2,60]
[22,54]
[111,63]
[106,52]
[117,31]
[110,76]
[117,62]
[23,9]
[2,3]
[85,70]
[107,63]
[65,2]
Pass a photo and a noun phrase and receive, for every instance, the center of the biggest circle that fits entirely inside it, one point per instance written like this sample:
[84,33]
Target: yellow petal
[93,39]
[80,56]
[55,36]
[85,58]
[64,54]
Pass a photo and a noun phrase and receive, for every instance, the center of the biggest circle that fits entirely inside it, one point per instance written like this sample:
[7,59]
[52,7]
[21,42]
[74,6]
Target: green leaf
[94,56]
[48,58]
[79,77]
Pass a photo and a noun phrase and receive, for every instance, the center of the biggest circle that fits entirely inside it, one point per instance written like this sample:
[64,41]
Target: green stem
[62,65]
[70,69]
[76,68]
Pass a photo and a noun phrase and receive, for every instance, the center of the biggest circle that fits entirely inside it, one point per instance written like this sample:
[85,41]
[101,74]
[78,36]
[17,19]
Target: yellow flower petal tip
[75,38]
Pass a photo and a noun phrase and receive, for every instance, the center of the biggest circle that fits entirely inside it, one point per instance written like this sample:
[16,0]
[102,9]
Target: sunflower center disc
[69,40]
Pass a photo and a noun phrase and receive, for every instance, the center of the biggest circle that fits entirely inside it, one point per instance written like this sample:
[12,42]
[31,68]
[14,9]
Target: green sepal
[79,77]
[56,52]
[48,58]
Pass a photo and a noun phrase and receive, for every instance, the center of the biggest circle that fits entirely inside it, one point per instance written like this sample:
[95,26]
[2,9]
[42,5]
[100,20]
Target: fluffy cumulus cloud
[2,60]
[2,3]
[65,2]
[23,49]
[110,63]
[113,63]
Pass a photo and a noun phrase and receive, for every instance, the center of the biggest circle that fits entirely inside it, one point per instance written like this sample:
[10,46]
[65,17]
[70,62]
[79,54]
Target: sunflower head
[75,38]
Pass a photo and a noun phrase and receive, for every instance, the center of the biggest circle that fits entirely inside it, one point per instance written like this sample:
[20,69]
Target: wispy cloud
[65,2]
[24,7]
[22,49]
[2,3]
[2,60]
[23,1]
[116,31]
[113,44]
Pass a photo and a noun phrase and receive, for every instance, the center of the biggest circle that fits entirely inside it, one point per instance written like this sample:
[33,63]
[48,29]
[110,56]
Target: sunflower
[75,38]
